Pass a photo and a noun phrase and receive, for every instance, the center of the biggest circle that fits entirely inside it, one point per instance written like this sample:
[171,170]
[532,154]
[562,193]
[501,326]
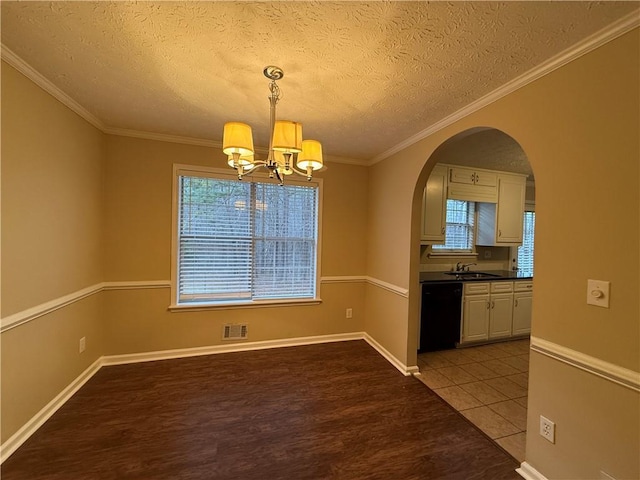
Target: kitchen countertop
[501,275]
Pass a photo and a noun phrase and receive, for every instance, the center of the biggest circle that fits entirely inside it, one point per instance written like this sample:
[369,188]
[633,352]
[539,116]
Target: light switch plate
[598,293]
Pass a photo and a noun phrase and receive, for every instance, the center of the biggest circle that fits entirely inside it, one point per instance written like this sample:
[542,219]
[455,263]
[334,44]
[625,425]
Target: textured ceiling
[485,148]
[361,76]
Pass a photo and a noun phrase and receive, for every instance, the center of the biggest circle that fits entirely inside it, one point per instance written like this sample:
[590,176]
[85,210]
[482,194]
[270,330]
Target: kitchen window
[243,242]
[525,251]
[459,227]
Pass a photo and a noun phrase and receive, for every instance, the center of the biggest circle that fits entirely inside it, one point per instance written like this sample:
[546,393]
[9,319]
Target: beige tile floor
[488,385]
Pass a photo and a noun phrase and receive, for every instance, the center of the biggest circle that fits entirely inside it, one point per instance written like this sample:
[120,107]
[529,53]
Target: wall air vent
[237,331]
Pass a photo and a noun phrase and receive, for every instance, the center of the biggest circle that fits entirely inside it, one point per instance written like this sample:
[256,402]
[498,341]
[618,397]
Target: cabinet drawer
[472,288]
[501,287]
[523,286]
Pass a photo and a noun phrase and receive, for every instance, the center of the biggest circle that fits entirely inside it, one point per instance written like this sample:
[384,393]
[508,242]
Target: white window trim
[182,169]
[452,254]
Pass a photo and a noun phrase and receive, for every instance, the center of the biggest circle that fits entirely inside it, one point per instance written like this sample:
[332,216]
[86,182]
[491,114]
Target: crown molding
[36,77]
[605,35]
[162,137]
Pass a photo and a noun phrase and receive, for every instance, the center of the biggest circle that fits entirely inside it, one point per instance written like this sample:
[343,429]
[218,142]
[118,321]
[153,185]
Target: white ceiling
[363,77]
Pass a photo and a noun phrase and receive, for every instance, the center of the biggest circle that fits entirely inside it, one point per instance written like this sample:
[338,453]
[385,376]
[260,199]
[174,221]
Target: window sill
[196,307]
[451,254]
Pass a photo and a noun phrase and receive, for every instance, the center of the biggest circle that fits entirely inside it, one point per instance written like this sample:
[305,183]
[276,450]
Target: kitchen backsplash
[498,259]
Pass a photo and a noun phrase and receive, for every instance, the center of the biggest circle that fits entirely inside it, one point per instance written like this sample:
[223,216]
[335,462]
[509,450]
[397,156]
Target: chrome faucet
[461,266]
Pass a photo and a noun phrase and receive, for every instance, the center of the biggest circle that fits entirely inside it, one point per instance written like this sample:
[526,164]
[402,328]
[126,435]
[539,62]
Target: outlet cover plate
[547,429]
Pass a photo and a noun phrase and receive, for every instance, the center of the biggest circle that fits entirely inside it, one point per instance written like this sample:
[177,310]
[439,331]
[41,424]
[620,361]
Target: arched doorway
[480,367]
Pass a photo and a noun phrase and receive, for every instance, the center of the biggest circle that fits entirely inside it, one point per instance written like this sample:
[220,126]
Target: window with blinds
[525,251]
[459,228]
[245,240]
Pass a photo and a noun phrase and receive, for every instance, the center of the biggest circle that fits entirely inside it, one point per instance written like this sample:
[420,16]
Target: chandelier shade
[237,139]
[287,136]
[311,155]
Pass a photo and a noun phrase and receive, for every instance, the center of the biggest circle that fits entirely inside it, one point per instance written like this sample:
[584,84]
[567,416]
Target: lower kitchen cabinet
[522,308]
[492,310]
[475,318]
[501,315]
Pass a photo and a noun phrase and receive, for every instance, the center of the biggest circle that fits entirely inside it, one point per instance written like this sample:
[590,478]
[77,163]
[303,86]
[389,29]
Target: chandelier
[286,145]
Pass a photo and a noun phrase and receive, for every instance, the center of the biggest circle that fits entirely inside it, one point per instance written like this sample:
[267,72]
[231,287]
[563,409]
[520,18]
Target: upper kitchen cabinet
[474,185]
[434,207]
[501,223]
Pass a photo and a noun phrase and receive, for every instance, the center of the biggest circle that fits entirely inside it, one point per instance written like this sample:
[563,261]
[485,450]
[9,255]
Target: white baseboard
[406,371]
[527,472]
[235,347]
[29,428]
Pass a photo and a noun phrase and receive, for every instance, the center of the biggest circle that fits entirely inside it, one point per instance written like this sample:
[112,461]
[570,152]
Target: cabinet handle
[477,178]
[487,305]
[473,177]
[499,233]
[493,304]
[443,230]
[516,302]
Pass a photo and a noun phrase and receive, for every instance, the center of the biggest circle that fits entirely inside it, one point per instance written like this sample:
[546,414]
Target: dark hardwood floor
[328,411]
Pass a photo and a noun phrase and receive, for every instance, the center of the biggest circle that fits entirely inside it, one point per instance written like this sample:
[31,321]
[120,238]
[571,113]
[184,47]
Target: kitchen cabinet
[501,310]
[434,208]
[522,298]
[475,318]
[473,185]
[501,224]
[487,311]
[475,312]
[470,176]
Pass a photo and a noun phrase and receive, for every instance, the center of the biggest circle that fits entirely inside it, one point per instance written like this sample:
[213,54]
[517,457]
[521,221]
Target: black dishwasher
[440,316]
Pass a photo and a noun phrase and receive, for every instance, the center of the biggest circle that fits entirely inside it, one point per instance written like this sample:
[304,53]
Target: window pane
[214,240]
[459,229]
[285,241]
[525,251]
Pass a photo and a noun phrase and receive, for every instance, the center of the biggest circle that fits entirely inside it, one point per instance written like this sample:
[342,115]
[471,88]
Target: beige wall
[579,127]
[51,197]
[51,244]
[138,248]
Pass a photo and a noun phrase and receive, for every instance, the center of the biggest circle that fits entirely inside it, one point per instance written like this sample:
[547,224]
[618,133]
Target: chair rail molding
[609,371]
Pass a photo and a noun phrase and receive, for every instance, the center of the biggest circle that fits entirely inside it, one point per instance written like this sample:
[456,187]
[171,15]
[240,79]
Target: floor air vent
[235,332]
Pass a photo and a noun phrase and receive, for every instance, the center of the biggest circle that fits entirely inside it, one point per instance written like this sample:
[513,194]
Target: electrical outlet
[349,313]
[83,344]
[548,429]
[487,254]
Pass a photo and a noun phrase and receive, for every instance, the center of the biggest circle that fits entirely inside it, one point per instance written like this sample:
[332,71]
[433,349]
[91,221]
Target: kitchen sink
[463,275]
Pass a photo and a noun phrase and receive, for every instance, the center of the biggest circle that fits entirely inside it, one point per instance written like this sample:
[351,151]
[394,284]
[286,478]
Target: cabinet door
[475,318]
[434,208]
[510,213]
[501,315]
[462,175]
[486,178]
[521,313]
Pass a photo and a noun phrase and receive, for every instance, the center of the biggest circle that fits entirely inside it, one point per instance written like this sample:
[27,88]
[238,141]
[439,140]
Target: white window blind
[245,240]
[525,251]
[459,228]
